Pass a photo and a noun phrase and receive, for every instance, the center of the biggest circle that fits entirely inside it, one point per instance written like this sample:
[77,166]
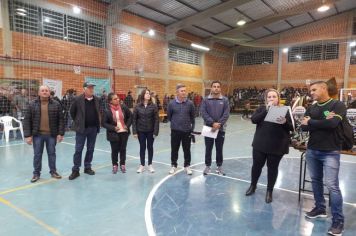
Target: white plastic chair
[7,123]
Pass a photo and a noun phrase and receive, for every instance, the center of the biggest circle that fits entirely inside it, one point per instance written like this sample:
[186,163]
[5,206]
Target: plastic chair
[8,126]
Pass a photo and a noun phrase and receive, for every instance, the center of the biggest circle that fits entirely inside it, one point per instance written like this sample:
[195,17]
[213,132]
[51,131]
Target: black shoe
[35,178]
[316,213]
[89,171]
[251,190]
[74,175]
[269,198]
[55,175]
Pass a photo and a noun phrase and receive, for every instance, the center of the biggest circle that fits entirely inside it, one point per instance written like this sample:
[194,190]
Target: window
[184,55]
[31,19]
[24,18]
[314,52]
[255,57]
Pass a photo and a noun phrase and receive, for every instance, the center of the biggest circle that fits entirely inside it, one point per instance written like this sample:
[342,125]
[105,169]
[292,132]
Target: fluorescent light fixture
[194,45]
[21,13]
[77,10]
[285,50]
[323,8]
[353,44]
[21,10]
[241,22]
[46,19]
[151,32]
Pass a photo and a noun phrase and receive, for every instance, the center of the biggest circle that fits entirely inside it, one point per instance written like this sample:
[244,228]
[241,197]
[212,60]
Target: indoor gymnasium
[110,111]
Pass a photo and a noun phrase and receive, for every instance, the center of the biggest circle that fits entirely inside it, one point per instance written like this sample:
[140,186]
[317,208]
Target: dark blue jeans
[219,143]
[328,163]
[89,135]
[143,138]
[38,145]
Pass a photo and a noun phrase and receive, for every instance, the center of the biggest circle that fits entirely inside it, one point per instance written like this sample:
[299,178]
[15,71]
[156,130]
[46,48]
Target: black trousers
[119,147]
[259,160]
[219,143]
[143,138]
[178,137]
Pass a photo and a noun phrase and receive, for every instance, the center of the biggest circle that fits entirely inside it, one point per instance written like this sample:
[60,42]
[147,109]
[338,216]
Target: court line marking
[27,215]
[148,205]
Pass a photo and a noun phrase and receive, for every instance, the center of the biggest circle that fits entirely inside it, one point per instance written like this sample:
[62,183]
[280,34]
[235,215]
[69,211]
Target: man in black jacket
[85,113]
[44,124]
[323,153]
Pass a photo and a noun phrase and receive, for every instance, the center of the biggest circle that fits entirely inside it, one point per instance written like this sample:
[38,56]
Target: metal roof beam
[212,11]
[115,8]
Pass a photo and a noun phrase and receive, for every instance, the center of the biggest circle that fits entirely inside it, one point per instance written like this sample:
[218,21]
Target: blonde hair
[272,90]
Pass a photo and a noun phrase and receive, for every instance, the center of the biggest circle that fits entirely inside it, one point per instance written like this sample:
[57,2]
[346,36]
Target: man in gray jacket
[215,112]
[181,114]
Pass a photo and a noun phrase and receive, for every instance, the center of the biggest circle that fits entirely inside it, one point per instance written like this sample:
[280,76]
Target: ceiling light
[353,44]
[21,10]
[200,47]
[241,22]
[21,13]
[354,53]
[77,10]
[46,19]
[298,57]
[323,8]
[285,50]
[151,32]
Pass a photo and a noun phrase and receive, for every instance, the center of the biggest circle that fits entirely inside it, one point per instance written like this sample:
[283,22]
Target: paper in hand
[207,132]
[275,112]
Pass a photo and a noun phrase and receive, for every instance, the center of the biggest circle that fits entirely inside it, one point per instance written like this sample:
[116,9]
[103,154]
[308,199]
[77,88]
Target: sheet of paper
[275,112]
[206,132]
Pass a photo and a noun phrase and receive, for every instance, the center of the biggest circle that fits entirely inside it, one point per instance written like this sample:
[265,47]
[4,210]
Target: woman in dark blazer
[145,127]
[117,120]
[270,143]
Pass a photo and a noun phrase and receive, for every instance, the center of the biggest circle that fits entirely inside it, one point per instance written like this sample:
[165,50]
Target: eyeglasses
[115,98]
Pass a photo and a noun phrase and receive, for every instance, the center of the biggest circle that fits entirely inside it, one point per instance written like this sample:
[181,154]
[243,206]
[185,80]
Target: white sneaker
[150,169]
[140,169]
[173,170]
[188,170]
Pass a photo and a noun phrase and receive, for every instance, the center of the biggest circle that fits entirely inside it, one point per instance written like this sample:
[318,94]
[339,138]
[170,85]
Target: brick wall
[46,49]
[66,74]
[186,70]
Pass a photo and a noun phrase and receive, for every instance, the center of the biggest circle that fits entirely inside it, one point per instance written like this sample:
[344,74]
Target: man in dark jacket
[181,114]
[215,111]
[44,124]
[85,113]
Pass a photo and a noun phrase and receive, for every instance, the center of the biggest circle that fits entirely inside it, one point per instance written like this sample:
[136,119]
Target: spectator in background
[20,102]
[5,105]
[129,101]
[117,121]
[55,98]
[103,102]
[43,124]
[86,124]
[197,103]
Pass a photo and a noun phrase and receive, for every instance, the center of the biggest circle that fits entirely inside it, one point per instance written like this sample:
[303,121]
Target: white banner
[55,86]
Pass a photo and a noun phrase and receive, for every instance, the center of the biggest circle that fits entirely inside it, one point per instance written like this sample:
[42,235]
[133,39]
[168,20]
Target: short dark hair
[110,96]
[215,82]
[319,82]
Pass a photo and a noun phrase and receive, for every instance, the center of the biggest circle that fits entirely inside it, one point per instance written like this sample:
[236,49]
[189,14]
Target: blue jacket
[215,110]
[181,115]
